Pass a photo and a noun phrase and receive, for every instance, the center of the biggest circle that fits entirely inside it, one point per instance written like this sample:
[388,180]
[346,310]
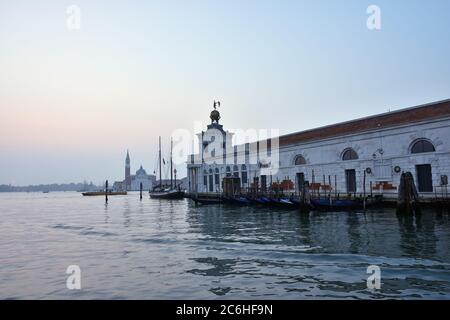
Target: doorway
[263,183]
[424,178]
[300,182]
[350,180]
[211,183]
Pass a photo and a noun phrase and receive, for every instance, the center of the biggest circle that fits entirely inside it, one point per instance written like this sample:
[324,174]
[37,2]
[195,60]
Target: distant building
[141,176]
[132,182]
[127,172]
[350,157]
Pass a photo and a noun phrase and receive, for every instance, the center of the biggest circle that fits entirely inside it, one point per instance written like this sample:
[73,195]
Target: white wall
[325,156]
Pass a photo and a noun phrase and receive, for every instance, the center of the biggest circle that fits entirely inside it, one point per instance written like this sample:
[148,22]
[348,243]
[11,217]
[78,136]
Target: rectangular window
[244,176]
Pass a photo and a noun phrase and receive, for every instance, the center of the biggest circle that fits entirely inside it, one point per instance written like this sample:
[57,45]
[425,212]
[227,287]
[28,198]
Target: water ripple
[132,249]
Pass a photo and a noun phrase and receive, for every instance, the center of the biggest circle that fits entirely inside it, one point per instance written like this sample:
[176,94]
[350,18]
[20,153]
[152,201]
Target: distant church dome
[215,116]
[141,171]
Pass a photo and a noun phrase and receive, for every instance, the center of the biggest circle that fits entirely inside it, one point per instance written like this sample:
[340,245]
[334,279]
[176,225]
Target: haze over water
[175,250]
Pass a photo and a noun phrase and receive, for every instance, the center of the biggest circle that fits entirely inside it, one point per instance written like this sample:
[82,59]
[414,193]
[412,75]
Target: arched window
[228,171]
[349,154]
[422,146]
[299,160]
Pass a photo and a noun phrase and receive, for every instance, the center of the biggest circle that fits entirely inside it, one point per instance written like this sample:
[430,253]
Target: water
[173,250]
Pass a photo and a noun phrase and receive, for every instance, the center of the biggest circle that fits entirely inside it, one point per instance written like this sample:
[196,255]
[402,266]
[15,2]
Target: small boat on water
[241,201]
[170,192]
[344,204]
[103,193]
[207,200]
[284,203]
[259,200]
[326,204]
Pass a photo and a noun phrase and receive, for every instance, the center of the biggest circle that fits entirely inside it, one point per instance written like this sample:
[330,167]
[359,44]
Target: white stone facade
[383,152]
[325,156]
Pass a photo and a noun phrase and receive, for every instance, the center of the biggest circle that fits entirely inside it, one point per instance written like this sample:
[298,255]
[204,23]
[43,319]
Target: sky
[72,101]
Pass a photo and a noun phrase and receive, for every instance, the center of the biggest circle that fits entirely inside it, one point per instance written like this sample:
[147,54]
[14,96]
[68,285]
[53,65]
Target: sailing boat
[166,192]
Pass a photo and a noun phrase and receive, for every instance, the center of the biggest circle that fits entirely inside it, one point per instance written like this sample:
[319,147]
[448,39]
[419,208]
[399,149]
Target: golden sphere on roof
[215,116]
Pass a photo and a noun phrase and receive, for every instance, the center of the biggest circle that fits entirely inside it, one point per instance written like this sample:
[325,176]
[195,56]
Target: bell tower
[127,172]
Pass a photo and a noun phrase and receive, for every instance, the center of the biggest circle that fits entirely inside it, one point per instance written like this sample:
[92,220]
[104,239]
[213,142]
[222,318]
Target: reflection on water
[418,236]
[155,249]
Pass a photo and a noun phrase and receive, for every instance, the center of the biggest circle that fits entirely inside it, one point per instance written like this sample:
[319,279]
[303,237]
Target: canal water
[174,250]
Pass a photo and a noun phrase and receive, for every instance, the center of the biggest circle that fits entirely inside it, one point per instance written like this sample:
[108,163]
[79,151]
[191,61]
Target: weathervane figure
[215,115]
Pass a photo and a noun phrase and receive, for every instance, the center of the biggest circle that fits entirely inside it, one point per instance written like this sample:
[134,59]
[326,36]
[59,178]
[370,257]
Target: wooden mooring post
[364,190]
[106,191]
[330,190]
[335,187]
[407,195]
[140,191]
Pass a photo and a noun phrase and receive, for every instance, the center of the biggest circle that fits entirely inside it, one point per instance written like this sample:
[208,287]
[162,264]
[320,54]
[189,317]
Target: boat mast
[171,171]
[160,180]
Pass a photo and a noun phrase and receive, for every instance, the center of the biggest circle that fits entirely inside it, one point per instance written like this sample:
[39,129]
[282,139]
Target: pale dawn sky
[73,101]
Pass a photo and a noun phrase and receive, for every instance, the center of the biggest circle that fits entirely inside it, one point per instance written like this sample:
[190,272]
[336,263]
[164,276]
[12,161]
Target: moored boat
[170,192]
[344,204]
[103,193]
[284,203]
[206,200]
[242,201]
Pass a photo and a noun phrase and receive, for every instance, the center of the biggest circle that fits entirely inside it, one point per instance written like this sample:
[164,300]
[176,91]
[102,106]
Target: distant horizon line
[65,183]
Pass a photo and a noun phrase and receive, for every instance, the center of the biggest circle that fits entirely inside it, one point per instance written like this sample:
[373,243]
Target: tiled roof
[429,111]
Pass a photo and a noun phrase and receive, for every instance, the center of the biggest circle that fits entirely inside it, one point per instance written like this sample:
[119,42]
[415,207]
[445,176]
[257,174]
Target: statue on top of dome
[215,115]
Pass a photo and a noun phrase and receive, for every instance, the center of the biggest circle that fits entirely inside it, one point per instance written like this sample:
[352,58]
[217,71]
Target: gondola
[259,201]
[206,200]
[345,204]
[327,204]
[241,201]
[284,203]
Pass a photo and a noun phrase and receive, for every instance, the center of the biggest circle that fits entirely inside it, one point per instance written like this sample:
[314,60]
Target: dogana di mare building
[334,157]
